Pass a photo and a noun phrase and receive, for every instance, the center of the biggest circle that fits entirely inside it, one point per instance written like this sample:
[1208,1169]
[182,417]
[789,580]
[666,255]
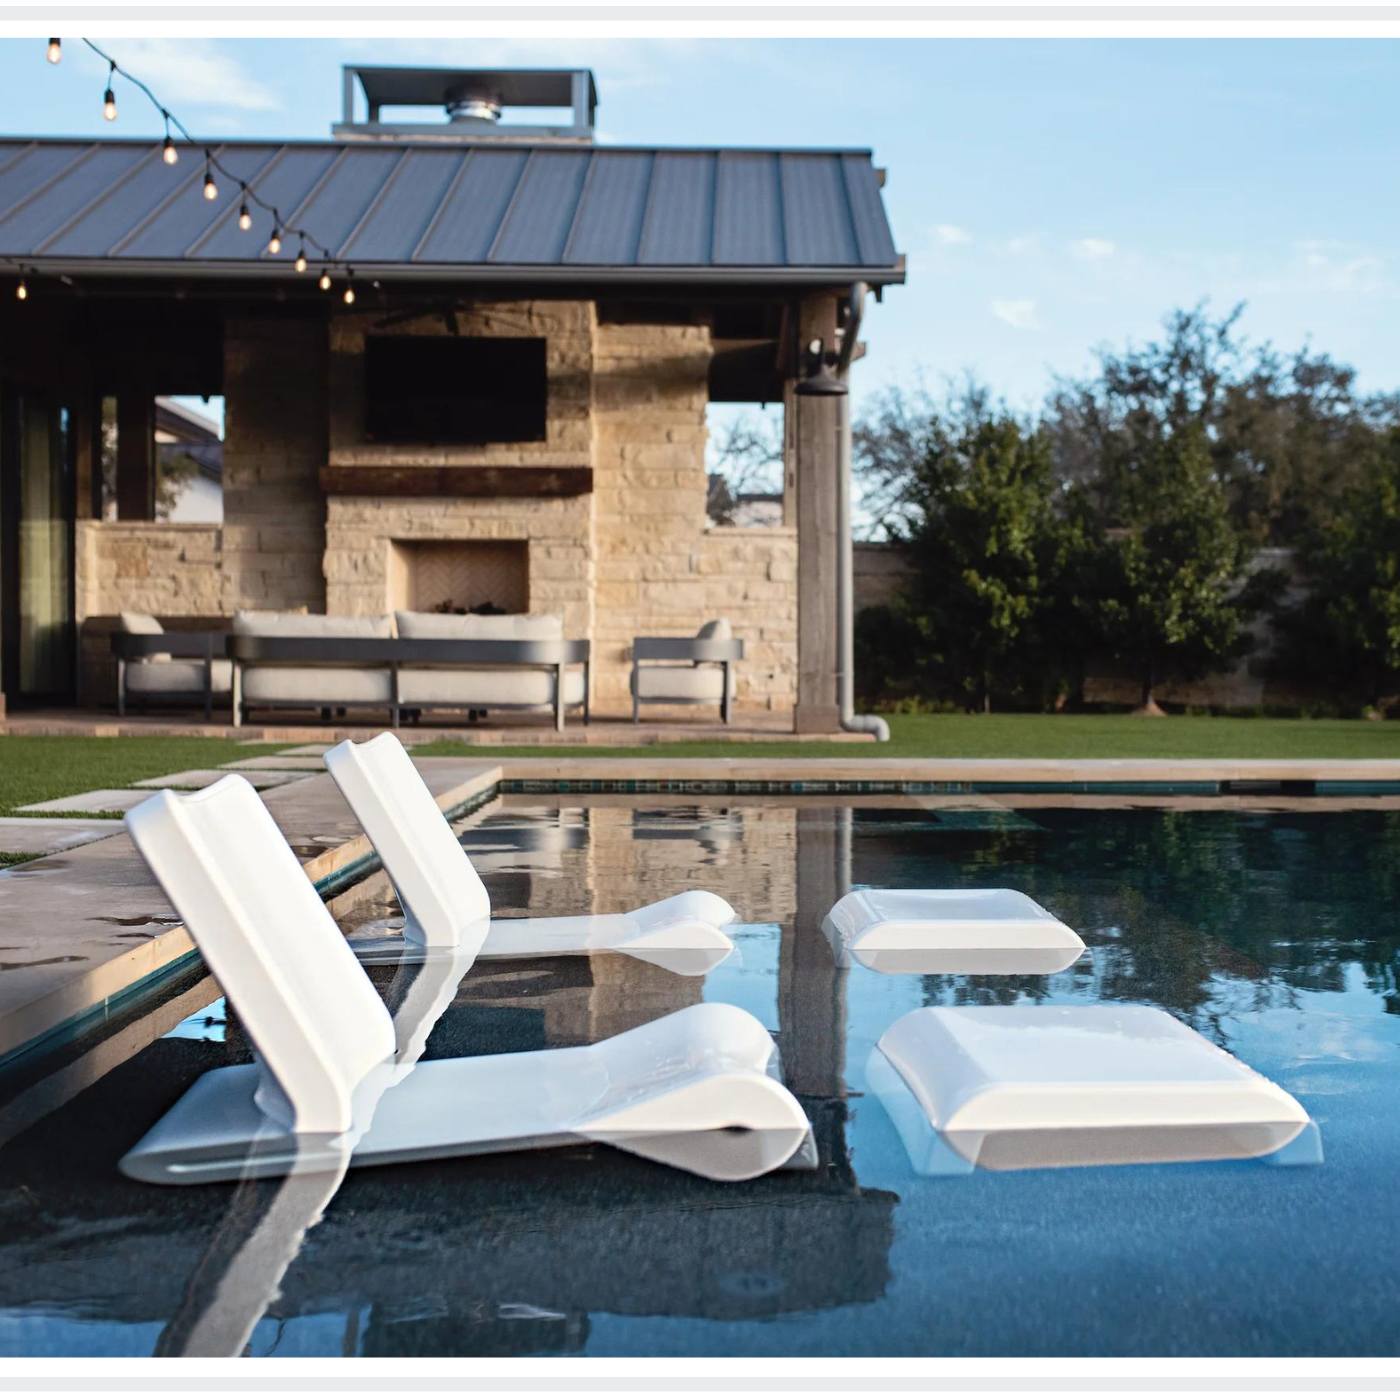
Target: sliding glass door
[36,548]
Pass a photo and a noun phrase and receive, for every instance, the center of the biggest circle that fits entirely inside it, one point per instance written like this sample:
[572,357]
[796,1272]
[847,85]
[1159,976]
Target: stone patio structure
[655,281]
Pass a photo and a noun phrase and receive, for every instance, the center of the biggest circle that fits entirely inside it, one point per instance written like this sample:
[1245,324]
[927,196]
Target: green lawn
[36,769]
[1033,736]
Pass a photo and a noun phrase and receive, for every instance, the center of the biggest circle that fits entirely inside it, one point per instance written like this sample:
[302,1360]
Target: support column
[818,428]
[136,467]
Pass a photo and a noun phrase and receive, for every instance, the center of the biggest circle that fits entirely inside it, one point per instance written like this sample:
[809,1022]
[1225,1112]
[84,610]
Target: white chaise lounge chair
[694,1089]
[445,903]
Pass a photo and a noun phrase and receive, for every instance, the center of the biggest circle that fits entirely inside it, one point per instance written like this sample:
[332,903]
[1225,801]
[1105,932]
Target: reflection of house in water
[508,1254]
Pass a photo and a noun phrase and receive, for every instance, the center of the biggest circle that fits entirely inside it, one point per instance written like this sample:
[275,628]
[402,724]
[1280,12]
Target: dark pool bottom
[1275,935]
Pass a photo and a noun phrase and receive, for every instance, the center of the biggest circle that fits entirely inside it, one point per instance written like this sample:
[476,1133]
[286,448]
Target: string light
[22,291]
[349,288]
[170,155]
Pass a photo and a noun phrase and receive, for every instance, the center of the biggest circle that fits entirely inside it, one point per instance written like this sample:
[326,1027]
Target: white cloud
[1094,249]
[190,71]
[1018,314]
[1342,267]
[1022,244]
[951,233]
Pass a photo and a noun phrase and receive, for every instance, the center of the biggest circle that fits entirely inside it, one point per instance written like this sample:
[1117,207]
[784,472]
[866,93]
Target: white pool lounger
[335,1073]
[1010,1087]
[949,931]
[445,902]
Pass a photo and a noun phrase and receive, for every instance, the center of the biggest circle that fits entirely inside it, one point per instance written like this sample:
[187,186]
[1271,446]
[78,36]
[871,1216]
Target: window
[443,389]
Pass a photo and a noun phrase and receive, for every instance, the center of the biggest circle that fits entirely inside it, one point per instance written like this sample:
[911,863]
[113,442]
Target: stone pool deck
[82,928]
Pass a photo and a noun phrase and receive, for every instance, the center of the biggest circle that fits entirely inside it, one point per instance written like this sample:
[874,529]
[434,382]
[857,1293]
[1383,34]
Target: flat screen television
[445,389]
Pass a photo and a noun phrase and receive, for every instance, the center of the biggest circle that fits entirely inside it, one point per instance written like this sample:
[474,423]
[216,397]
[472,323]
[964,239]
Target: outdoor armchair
[696,670]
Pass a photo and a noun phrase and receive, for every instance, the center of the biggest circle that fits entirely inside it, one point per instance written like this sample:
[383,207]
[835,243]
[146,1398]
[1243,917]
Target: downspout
[845,555]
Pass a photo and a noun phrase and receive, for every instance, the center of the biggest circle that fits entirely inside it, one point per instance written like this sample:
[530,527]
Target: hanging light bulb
[324,281]
[109,99]
[168,153]
[22,291]
[274,244]
[349,297]
[300,263]
[55,50]
[211,190]
[245,219]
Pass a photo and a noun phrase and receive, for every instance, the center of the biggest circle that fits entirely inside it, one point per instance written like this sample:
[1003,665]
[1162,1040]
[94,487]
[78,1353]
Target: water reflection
[1276,935]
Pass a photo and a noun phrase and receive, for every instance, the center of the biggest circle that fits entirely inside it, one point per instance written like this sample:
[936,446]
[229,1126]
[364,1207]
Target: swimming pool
[1273,932]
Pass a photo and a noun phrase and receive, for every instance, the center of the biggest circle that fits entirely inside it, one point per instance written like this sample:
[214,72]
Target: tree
[747,458]
[1283,432]
[1347,626]
[1166,598]
[975,518]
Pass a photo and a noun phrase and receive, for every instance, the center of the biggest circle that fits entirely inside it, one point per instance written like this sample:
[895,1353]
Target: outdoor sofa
[406,662]
[696,670]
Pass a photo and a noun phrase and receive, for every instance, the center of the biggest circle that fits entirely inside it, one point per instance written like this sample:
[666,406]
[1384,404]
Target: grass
[1027,736]
[35,769]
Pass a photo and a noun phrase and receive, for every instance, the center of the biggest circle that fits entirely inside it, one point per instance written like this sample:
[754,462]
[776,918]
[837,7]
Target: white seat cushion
[144,625]
[181,677]
[486,687]
[249,623]
[681,683]
[481,627]
[327,685]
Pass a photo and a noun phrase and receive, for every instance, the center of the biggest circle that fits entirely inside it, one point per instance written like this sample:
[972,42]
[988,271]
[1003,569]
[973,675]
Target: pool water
[1274,933]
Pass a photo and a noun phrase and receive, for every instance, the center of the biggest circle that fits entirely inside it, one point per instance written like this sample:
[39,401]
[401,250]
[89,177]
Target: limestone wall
[274,449]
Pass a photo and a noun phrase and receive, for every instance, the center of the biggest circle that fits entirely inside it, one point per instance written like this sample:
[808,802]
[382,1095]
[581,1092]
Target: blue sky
[1051,195]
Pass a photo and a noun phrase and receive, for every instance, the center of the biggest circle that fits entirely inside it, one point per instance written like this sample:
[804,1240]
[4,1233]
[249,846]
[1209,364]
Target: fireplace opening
[459,576]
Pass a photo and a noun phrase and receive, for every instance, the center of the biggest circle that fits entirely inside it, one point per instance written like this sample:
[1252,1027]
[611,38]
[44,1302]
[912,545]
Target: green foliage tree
[1347,625]
[977,523]
[1165,597]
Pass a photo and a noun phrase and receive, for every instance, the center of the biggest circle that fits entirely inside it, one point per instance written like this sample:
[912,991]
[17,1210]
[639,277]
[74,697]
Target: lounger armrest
[131,646]
[687,649]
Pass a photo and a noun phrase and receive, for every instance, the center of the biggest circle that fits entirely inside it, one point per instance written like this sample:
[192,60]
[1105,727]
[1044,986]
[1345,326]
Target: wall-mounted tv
[445,389]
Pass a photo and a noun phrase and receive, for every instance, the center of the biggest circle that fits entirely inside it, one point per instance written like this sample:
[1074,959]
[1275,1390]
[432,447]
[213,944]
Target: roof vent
[474,99]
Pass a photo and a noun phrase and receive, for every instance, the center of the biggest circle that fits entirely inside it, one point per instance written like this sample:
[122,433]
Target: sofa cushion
[250,623]
[481,627]
[140,624]
[327,685]
[682,684]
[183,677]
[486,687]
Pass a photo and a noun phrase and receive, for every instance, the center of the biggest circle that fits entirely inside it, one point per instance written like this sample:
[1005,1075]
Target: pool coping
[87,989]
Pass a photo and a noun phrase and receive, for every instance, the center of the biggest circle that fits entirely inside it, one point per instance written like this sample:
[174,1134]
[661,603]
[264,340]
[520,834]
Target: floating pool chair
[949,931]
[695,1090]
[446,904]
[1008,1087]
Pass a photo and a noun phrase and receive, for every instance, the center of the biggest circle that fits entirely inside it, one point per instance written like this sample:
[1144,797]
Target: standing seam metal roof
[423,206]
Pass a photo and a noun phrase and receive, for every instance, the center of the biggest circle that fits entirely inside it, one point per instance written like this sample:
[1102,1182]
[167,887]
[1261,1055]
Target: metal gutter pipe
[851,722]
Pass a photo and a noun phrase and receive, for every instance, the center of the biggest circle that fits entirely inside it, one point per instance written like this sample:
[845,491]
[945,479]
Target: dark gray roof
[490,211]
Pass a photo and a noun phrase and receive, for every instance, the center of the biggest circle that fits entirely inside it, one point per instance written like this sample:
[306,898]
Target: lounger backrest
[312,1014]
[444,902]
